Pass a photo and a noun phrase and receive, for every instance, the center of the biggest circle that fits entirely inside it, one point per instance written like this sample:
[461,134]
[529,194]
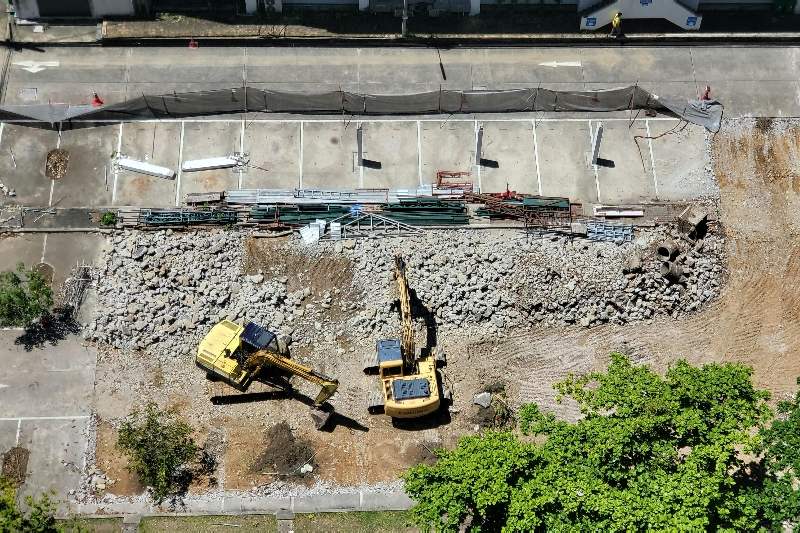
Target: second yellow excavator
[236,354]
[409,381]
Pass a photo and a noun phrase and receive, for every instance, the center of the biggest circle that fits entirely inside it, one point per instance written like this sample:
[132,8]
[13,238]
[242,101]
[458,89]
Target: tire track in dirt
[756,320]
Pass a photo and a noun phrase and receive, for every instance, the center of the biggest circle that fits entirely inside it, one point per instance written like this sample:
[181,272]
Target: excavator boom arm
[257,361]
[407,343]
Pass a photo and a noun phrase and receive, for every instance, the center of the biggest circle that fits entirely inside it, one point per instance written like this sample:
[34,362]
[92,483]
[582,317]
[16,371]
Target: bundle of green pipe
[299,215]
[427,212]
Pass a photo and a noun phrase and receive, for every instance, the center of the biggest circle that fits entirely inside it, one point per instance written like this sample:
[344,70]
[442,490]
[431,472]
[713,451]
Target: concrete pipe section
[668,250]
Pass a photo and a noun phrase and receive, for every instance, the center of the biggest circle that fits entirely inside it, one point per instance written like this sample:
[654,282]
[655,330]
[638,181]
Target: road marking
[19,426]
[301,154]
[241,150]
[536,157]
[34,66]
[555,64]
[419,151]
[596,175]
[21,418]
[44,247]
[3,385]
[180,165]
[478,158]
[116,169]
[652,159]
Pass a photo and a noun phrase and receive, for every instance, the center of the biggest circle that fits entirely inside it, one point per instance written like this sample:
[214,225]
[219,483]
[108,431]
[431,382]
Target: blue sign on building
[691,21]
[591,22]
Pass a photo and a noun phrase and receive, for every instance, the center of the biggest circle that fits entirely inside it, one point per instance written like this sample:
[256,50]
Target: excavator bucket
[320,417]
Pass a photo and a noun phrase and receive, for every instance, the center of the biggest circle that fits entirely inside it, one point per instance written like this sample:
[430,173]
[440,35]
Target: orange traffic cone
[96,101]
[193,44]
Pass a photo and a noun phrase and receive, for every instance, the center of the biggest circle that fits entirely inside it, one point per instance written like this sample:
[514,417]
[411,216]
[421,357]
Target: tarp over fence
[248,99]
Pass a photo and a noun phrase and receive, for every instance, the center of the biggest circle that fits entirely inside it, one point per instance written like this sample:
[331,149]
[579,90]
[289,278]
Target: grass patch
[91,525]
[208,524]
[363,522]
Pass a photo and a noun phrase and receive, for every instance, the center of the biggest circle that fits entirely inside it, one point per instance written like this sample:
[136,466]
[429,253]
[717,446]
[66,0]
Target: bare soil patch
[113,463]
[15,464]
[56,163]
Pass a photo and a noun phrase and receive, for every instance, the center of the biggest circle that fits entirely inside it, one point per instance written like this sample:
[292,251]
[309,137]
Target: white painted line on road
[44,247]
[555,64]
[241,149]
[21,418]
[2,385]
[322,120]
[180,166]
[19,426]
[301,154]
[478,158]
[652,159]
[116,168]
[419,151]
[536,157]
[596,175]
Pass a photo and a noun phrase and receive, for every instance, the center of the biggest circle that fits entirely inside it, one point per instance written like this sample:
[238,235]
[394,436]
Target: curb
[323,503]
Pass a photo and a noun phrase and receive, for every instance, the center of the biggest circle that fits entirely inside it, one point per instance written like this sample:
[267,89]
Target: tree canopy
[158,447]
[649,453]
[24,296]
[39,517]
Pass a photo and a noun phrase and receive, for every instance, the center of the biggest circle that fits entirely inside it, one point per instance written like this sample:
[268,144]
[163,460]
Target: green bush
[39,516]
[109,219]
[158,447]
[24,296]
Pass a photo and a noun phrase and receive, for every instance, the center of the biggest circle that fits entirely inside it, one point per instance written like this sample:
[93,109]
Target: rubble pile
[156,284]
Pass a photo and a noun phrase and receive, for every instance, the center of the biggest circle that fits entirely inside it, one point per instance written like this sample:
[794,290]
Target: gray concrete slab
[755,98]
[529,66]
[89,177]
[8,436]
[295,65]
[157,143]
[446,146]
[21,247]
[74,93]
[681,159]
[55,380]
[385,501]
[393,146]
[275,149]
[625,180]
[63,251]
[650,65]
[210,139]
[328,149]
[760,64]
[178,65]
[509,146]
[328,502]
[562,166]
[401,69]
[29,146]
[57,448]
[242,504]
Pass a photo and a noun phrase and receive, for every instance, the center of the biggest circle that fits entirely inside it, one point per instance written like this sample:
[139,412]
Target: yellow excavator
[409,384]
[236,354]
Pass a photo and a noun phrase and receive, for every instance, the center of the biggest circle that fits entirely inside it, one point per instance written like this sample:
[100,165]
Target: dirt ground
[754,322]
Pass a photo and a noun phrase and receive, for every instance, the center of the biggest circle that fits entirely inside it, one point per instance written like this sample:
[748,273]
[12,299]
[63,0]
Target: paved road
[750,81]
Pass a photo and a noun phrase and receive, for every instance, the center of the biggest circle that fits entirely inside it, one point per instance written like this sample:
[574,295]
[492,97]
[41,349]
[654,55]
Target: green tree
[38,518]
[650,453]
[158,447]
[24,296]
[778,496]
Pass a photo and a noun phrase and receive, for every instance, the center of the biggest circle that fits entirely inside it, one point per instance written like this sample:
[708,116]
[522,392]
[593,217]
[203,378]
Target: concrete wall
[103,8]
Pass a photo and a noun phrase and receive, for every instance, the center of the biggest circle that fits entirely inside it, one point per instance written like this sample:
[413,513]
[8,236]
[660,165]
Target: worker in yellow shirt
[616,31]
